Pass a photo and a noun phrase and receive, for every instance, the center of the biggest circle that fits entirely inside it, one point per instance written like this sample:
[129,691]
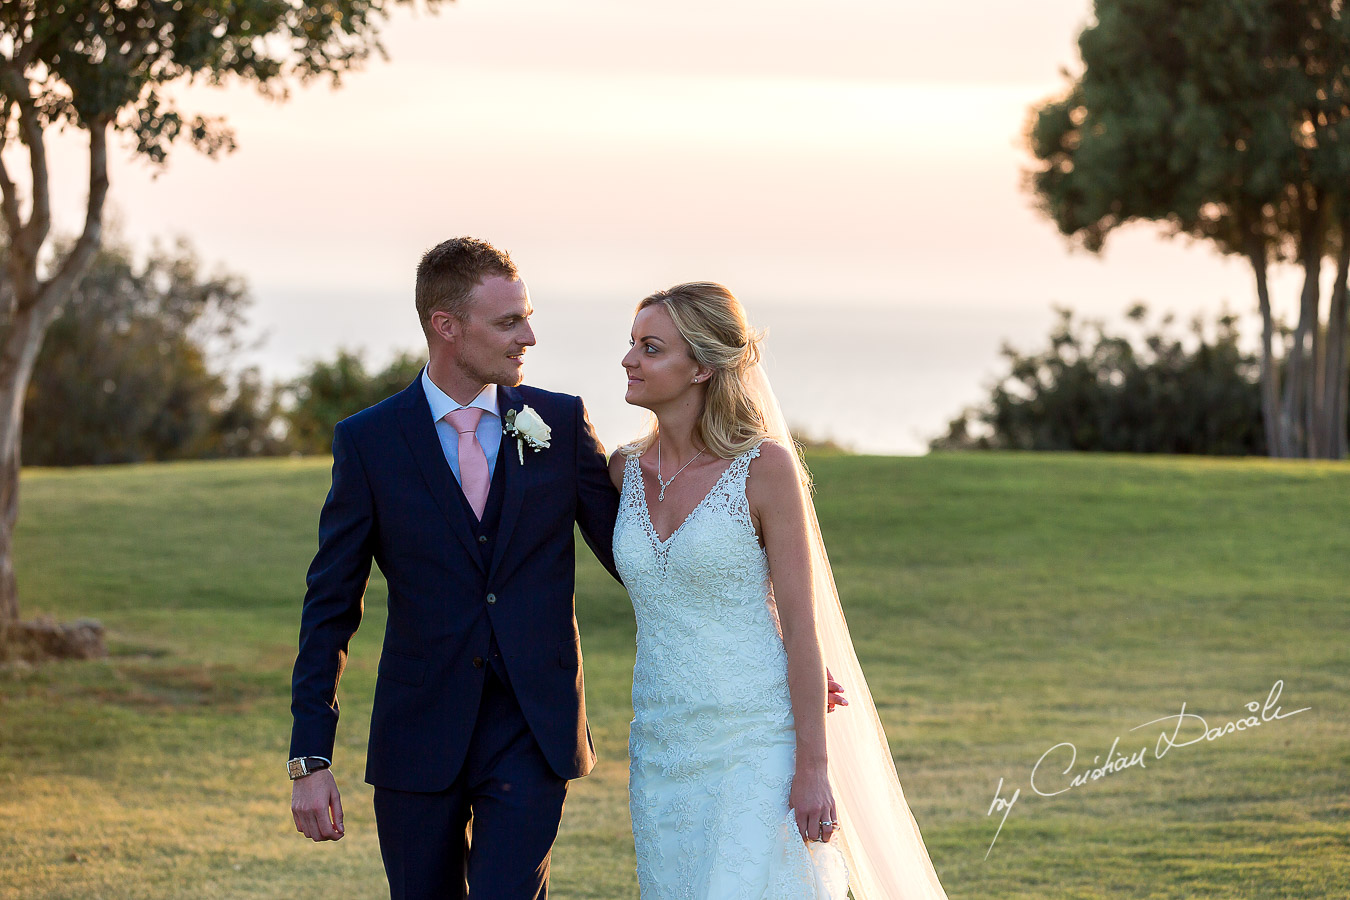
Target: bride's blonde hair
[713,323]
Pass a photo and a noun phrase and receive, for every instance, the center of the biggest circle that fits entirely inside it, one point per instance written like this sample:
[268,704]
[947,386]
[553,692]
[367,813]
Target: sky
[852,170]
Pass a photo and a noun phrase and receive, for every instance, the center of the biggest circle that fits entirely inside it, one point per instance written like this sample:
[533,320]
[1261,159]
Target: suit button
[478,662]
[491,598]
[482,539]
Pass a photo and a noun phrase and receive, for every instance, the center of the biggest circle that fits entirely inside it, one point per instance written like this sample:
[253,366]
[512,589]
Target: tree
[1094,391]
[330,391]
[131,369]
[1228,121]
[106,67]
[248,421]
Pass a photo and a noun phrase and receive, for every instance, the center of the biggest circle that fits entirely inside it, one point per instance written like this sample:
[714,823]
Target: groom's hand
[835,693]
[316,806]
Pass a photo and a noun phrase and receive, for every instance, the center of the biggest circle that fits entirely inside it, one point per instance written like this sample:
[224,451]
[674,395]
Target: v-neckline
[647,510]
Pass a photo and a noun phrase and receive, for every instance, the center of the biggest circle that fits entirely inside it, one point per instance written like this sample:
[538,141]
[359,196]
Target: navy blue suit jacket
[393,501]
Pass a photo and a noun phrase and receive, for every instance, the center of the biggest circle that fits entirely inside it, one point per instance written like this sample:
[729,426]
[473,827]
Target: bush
[133,369]
[330,391]
[1090,390]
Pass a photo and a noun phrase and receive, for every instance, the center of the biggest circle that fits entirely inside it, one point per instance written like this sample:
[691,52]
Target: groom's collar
[442,403]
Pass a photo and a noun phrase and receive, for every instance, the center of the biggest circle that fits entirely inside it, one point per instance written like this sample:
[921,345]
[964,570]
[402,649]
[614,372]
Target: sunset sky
[838,160]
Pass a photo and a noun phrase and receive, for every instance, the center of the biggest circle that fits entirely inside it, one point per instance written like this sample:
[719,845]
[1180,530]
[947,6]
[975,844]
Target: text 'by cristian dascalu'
[1054,772]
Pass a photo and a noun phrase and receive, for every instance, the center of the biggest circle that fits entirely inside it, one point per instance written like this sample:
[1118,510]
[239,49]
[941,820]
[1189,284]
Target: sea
[873,380]
[876,379]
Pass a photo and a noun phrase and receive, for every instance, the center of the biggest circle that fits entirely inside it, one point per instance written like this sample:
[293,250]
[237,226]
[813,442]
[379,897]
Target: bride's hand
[834,693]
[812,802]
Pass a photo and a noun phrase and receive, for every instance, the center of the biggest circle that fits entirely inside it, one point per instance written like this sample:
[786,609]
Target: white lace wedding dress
[712,743]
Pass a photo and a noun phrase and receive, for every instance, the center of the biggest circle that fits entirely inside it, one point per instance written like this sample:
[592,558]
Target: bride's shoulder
[618,461]
[773,466]
[773,488]
[770,454]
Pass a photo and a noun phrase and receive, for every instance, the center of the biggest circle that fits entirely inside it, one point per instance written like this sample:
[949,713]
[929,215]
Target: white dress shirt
[489,431]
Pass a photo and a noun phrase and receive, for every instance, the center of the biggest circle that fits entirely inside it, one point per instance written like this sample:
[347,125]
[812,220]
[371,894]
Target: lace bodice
[702,596]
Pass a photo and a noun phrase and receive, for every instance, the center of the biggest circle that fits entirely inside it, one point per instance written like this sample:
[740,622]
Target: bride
[732,791]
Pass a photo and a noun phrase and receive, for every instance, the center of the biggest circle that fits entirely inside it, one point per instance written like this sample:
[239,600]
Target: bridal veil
[881,843]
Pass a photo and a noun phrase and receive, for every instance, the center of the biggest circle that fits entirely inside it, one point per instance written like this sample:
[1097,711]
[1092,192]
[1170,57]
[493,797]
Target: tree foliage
[1151,392]
[108,67]
[329,391]
[112,62]
[134,369]
[1227,121]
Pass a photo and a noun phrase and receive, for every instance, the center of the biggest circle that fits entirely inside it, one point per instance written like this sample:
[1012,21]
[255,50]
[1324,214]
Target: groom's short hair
[450,271]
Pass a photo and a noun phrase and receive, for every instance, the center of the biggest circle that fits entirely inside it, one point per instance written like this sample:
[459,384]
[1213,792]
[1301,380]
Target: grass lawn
[1003,604]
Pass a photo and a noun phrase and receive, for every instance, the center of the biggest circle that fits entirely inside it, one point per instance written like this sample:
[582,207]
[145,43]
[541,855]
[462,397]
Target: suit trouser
[492,831]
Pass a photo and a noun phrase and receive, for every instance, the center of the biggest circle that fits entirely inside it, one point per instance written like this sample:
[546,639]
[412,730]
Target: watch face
[296,767]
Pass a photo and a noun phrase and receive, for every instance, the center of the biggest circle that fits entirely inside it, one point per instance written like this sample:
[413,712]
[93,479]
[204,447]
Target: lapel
[414,416]
[508,398]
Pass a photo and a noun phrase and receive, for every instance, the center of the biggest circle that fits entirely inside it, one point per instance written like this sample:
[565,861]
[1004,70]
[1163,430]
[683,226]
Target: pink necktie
[473,467]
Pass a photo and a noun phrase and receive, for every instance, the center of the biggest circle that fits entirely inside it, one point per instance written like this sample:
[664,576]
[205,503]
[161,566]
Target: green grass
[1002,603]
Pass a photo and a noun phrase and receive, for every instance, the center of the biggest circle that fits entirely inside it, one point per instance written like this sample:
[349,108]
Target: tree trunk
[33,305]
[1342,413]
[1301,374]
[1270,377]
[1334,372]
[1313,425]
[9,514]
[22,337]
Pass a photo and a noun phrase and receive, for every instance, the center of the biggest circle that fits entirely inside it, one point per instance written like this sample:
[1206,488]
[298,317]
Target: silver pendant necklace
[663,482]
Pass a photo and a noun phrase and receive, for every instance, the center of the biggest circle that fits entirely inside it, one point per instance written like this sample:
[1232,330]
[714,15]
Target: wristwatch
[305,765]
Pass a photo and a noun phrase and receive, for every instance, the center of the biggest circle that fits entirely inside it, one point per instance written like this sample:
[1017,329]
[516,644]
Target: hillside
[1002,604]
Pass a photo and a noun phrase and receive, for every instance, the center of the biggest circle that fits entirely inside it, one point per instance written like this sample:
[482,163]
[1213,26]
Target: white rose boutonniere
[526,427]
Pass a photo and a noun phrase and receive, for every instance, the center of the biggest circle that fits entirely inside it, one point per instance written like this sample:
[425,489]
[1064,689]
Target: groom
[479,709]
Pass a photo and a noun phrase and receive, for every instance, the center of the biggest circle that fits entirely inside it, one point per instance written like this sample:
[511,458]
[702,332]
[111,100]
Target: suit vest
[485,531]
